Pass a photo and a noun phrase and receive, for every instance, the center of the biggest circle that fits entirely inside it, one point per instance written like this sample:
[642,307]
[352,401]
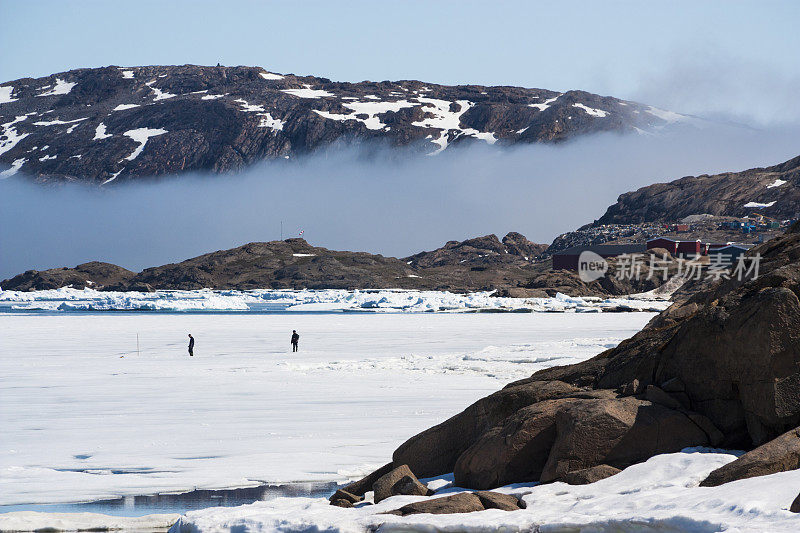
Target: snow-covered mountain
[105,124]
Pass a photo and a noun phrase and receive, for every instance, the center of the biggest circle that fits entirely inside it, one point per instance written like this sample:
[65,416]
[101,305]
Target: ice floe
[38,521]
[328,300]
[141,135]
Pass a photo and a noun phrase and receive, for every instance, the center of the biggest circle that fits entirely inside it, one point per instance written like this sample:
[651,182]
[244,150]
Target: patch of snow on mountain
[307,92]
[270,76]
[11,134]
[141,135]
[668,116]
[591,111]
[211,96]
[100,133]
[759,205]
[58,122]
[371,109]
[15,166]
[127,74]
[448,121]
[123,107]
[523,130]
[112,178]
[160,95]
[544,105]
[268,122]
[47,157]
[61,87]
[5,95]
[776,183]
[248,107]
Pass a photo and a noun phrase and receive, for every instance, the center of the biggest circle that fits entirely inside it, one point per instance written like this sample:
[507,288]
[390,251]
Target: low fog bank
[381,203]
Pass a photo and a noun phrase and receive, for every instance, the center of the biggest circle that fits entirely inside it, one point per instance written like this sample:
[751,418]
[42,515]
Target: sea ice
[103,405]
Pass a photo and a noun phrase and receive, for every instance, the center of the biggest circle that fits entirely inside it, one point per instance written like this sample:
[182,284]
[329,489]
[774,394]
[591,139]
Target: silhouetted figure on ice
[295,340]
[191,345]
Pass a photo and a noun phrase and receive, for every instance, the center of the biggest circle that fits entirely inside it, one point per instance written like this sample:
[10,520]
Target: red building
[678,247]
[668,244]
[690,248]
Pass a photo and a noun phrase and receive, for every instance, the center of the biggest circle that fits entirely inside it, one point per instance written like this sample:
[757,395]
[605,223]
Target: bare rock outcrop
[778,455]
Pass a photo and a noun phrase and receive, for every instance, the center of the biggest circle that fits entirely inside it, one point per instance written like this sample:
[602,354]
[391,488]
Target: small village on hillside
[695,236]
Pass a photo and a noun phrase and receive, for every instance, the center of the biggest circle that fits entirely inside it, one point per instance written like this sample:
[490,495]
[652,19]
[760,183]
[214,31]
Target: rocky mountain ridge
[509,266]
[111,124]
[483,263]
[771,191]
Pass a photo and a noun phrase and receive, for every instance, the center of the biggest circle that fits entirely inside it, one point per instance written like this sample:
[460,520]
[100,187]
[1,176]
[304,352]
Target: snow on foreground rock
[35,521]
[328,300]
[661,494]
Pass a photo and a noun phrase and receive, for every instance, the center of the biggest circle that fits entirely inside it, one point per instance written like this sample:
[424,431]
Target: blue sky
[697,56]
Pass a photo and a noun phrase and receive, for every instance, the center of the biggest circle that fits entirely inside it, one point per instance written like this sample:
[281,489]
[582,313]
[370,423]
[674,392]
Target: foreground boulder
[363,485]
[462,502]
[398,481]
[720,367]
[778,455]
[435,451]
[547,441]
[590,475]
[733,348]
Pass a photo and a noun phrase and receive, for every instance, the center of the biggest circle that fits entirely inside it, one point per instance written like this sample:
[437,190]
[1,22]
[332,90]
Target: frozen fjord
[85,417]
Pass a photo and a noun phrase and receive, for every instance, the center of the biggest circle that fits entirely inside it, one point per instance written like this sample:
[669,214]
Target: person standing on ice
[295,340]
[191,345]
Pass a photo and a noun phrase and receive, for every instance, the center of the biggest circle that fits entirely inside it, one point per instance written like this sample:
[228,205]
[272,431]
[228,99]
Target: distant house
[729,254]
[690,248]
[677,247]
[568,259]
[660,242]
